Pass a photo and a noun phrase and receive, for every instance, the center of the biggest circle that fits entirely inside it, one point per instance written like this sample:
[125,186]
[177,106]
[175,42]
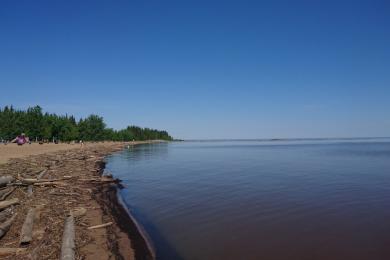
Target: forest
[47,127]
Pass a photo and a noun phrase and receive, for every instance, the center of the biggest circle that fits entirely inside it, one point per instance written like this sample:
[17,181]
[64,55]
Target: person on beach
[20,139]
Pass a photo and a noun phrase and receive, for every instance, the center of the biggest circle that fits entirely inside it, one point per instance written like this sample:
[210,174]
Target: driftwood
[6,192]
[7,203]
[6,251]
[29,190]
[28,181]
[4,180]
[5,214]
[48,183]
[27,228]
[4,227]
[41,174]
[68,237]
[65,193]
[101,226]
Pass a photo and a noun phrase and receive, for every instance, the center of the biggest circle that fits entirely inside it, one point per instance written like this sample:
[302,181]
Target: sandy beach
[15,151]
[72,182]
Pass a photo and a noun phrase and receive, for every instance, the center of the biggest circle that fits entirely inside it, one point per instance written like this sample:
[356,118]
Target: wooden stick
[28,180]
[6,194]
[4,191]
[7,203]
[27,228]
[101,226]
[65,193]
[50,183]
[34,181]
[68,237]
[6,251]
[41,174]
[5,214]
[4,227]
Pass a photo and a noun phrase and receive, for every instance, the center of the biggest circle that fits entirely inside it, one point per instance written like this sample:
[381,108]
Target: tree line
[46,126]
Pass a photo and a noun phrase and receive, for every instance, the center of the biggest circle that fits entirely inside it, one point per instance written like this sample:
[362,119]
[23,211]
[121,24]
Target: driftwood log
[27,228]
[5,214]
[6,251]
[4,180]
[7,203]
[68,237]
[4,227]
[6,192]
[29,181]
[50,183]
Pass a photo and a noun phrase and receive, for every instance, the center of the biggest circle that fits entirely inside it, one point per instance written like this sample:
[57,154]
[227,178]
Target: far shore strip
[15,151]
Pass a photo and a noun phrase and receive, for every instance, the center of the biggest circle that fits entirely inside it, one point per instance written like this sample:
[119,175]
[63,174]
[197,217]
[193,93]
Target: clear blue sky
[203,69]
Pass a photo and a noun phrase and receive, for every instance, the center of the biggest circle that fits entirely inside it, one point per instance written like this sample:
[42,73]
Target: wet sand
[83,189]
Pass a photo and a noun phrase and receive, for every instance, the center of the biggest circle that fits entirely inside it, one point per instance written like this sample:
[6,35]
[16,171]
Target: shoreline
[124,239]
[110,199]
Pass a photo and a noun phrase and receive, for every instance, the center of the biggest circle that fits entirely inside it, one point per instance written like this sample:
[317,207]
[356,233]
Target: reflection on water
[261,200]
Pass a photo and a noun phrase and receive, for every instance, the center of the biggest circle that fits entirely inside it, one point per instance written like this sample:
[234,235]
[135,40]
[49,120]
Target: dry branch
[7,203]
[6,251]
[27,228]
[68,244]
[4,227]
[101,226]
[48,183]
[5,193]
[40,175]
[5,214]
[28,181]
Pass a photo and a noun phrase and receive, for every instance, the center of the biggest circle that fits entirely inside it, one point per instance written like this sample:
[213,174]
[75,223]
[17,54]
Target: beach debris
[68,243]
[29,190]
[6,251]
[65,193]
[101,226]
[27,228]
[7,203]
[4,180]
[70,185]
[5,214]
[78,212]
[41,174]
[6,192]
[50,183]
[4,227]
[29,181]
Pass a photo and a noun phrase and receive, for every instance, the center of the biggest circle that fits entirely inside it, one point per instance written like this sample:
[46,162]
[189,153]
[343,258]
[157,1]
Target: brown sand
[15,151]
[54,202]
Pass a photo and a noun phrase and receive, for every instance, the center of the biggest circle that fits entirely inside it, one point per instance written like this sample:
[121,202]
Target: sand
[15,151]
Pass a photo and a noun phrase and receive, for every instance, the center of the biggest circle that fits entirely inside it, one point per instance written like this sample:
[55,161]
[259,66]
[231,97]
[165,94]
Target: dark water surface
[261,200]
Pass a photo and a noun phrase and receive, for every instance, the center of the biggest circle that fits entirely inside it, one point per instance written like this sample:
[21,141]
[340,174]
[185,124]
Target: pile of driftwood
[8,184]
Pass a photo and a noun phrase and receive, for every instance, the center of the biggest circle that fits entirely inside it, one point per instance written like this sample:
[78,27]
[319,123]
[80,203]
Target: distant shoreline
[285,139]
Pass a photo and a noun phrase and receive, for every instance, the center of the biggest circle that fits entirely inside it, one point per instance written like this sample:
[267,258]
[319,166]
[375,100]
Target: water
[261,200]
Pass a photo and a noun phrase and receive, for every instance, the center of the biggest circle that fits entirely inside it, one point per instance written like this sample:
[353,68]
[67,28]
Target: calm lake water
[261,200]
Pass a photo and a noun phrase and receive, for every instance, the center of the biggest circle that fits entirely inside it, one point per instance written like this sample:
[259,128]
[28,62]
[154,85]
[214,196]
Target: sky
[203,69]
